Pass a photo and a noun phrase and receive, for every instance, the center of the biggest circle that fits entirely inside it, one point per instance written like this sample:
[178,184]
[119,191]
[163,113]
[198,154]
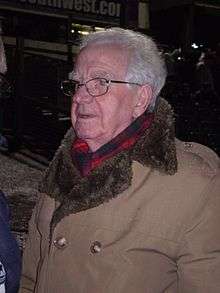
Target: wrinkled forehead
[109,56]
[3,66]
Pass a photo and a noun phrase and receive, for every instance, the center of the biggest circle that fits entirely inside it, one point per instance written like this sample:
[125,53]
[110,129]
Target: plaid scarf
[86,161]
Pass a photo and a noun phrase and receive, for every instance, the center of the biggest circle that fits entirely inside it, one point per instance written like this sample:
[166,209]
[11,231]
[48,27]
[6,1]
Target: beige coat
[161,234]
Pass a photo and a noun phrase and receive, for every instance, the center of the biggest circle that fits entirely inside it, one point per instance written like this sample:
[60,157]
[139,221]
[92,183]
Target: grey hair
[146,66]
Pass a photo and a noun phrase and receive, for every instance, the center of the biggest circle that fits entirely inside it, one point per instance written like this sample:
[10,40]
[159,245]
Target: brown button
[60,242]
[96,247]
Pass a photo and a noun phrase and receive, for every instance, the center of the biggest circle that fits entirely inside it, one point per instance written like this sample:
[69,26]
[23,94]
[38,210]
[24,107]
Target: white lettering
[86,7]
[93,10]
[42,2]
[103,7]
[118,5]
[58,3]
[68,4]
[78,5]
[111,9]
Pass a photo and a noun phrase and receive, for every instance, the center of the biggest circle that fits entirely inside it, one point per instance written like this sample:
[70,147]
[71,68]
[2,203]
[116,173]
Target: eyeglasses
[5,86]
[95,87]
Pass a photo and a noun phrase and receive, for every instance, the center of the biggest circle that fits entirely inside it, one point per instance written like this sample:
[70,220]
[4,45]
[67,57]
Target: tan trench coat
[160,235]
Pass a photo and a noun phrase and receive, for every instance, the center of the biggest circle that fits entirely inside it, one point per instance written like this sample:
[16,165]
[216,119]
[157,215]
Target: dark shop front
[41,38]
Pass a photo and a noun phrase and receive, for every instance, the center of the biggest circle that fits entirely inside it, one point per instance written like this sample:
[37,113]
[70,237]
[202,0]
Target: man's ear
[144,97]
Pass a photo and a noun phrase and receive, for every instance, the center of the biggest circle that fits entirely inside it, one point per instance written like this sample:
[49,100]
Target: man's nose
[82,96]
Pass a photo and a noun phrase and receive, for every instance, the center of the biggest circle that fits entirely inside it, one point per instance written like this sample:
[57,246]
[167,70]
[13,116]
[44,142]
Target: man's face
[99,119]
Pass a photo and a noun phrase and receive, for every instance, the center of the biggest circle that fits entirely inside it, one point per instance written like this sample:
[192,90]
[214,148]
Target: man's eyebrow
[99,73]
[102,73]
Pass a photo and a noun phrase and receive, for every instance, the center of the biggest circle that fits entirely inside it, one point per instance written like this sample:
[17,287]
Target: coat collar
[63,182]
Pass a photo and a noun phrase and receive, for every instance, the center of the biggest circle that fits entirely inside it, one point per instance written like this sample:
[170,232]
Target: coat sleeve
[199,258]
[9,252]
[31,256]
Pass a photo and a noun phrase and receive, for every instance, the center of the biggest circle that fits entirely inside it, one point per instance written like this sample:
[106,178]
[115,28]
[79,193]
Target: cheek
[118,112]
[122,105]
[109,111]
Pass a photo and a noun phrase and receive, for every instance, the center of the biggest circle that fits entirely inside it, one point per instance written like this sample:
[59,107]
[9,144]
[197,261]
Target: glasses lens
[97,86]
[68,87]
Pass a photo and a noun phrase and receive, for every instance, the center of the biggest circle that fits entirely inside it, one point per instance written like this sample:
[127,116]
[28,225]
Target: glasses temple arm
[125,82]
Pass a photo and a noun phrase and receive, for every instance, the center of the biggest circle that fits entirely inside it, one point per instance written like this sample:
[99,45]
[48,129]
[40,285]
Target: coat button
[96,247]
[60,242]
[188,144]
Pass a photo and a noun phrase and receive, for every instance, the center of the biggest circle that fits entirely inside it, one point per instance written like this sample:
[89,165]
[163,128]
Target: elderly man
[124,207]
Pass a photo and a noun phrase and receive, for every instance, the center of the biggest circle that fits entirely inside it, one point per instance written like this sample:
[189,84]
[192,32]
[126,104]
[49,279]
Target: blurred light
[179,58]
[72,31]
[99,28]
[194,46]
[83,33]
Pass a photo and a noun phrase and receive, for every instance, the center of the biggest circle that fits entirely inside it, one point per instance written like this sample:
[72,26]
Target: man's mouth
[86,116]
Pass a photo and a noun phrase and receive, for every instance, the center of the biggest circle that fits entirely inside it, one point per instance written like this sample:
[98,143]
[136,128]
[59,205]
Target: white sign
[105,8]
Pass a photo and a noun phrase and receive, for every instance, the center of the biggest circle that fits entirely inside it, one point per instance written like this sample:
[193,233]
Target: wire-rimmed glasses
[96,87]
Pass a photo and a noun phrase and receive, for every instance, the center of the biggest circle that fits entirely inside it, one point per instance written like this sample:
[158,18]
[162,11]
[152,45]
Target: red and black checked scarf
[86,161]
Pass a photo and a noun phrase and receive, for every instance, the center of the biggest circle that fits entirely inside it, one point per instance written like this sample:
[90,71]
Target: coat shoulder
[198,157]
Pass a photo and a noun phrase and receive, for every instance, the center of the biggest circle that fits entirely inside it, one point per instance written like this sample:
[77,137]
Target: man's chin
[94,140]
[85,135]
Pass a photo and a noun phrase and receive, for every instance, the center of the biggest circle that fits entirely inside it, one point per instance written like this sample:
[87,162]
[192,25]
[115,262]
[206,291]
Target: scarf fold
[86,161]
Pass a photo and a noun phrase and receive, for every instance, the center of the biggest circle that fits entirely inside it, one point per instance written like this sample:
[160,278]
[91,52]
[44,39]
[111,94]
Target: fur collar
[63,182]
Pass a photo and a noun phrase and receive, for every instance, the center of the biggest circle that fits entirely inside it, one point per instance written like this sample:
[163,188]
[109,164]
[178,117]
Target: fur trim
[157,147]
[63,182]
